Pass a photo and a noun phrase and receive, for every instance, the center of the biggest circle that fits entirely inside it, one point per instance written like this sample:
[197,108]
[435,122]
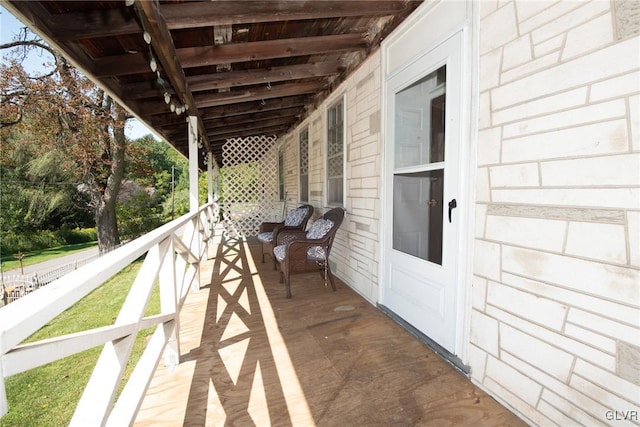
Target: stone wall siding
[356,248]
[555,324]
[555,316]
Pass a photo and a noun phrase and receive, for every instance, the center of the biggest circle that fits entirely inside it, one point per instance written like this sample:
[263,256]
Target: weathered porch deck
[249,356]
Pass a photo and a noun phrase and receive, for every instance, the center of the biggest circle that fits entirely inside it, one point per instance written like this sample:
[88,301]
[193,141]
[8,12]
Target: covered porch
[250,356]
[536,285]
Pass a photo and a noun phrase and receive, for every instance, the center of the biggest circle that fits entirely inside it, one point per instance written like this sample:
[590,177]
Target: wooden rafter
[113,22]
[162,43]
[200,56]
[240,65]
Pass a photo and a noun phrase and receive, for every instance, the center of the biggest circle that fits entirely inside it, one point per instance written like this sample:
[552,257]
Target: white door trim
[467,157]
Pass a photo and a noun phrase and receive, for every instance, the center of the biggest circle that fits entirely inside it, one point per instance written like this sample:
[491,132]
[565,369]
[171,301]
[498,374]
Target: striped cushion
[280,252]
[314,253]
[266,237]
[294,217]
[319,228]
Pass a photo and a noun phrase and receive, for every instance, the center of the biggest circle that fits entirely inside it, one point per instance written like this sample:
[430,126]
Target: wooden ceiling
[242,67]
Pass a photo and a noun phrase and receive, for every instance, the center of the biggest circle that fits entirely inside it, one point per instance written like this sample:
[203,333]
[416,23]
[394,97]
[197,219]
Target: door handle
[452,205]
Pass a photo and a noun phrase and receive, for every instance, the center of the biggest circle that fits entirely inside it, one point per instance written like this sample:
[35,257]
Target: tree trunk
[105,206]
[107,226]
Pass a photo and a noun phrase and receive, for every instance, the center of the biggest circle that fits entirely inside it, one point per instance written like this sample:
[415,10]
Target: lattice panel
[250,184]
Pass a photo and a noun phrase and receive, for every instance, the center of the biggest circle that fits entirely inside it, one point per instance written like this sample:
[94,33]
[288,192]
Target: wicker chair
[298,251]
[296,219]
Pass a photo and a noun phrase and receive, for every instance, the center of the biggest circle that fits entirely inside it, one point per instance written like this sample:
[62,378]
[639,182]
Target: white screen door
[421,183]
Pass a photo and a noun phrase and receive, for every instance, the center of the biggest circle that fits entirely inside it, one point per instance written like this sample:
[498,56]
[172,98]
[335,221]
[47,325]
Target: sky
[10,27]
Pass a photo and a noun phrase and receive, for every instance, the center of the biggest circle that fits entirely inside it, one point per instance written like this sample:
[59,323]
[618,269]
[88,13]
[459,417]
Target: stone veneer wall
[555,316]
[555,325]
[356,248]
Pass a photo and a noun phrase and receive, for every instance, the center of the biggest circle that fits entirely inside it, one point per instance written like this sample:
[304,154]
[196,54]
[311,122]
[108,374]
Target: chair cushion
[266,237]
[316,253]
[279,252]
[295,216]
[319,228]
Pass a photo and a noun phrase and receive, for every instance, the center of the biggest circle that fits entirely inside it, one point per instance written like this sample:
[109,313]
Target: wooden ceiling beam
[257,94]
[173,125]
[225,80]
[153,23]
[253,107]
[117,22]
[268,130]
[263,115]
[275,130]
[255,125]
[105,40]
[156,113]
[251,127]
[200,56]
[190,57]
[245,12]
[274,74]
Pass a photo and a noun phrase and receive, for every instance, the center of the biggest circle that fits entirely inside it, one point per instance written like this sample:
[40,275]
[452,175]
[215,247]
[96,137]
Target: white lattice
[250,184]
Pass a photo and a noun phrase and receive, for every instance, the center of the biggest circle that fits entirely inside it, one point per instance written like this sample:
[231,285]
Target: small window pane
[335,154]
[281,174]
[418,214]
[420,121]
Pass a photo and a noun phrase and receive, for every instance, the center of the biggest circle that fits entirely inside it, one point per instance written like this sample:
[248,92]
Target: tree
[35,192]
[63,116]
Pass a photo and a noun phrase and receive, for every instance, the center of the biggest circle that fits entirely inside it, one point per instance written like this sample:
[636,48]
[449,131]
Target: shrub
[26,242]
[139,215]
[12,243]
[77,235]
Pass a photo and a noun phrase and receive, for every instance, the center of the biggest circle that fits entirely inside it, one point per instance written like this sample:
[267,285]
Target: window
[335,154]
[281,174]
[304,165]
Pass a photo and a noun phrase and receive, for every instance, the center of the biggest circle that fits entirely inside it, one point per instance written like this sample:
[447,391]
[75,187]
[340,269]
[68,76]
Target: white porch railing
[173,255]
[14,286]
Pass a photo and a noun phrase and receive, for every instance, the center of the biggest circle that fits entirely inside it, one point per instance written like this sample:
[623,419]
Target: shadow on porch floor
[249,356]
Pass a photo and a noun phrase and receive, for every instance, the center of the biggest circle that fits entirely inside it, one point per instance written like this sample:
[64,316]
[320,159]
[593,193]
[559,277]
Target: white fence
[14,286]
[172,262]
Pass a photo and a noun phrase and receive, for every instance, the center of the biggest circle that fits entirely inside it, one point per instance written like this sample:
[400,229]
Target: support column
[193,198]
[193,164]
[210,177]
[216,182]
[4,405]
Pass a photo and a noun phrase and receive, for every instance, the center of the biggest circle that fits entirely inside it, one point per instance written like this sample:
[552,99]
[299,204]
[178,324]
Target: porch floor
[249,356]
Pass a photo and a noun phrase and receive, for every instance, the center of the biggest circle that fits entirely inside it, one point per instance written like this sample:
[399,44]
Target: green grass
[11,261]
[48,395]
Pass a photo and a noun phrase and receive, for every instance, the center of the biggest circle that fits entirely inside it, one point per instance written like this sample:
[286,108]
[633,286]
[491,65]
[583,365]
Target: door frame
[466,155]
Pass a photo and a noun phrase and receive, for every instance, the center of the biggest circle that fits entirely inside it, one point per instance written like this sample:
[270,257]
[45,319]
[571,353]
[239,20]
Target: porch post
[216,182]
[193,164]
[210,177]
[193,196]
[4,405]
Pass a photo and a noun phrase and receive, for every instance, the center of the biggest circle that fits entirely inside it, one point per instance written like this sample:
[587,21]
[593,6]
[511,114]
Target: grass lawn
[48,395]
[11,261]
